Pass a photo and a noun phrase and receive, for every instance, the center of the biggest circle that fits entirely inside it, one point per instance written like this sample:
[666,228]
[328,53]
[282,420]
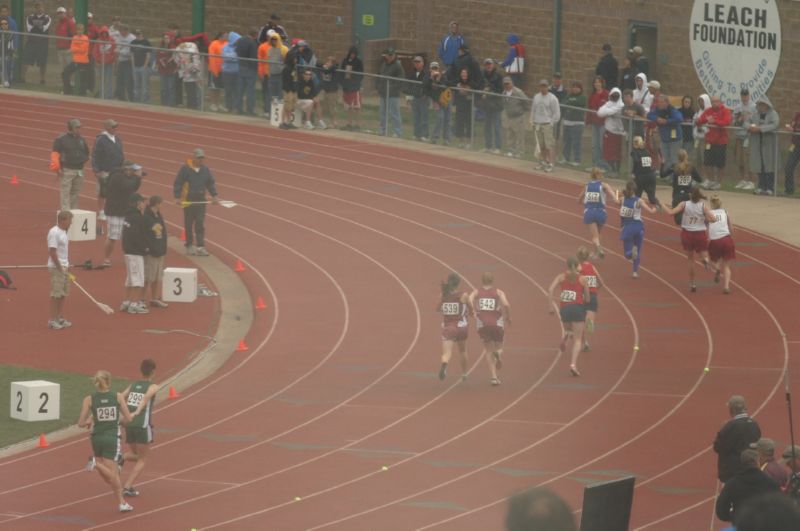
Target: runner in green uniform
[139,397]
[102,411]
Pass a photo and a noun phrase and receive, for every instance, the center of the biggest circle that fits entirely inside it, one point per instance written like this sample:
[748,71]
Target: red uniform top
[454,312]
[571,291]
[488,308]
[587,270]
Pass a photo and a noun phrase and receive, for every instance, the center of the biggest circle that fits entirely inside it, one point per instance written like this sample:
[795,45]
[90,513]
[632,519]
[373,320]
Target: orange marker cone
[239,266]
[14,179]
[242,346]
[260,304]
[43,442]
[183,235]
[173,393]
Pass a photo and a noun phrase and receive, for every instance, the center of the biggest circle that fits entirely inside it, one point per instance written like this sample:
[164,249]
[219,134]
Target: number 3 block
[35,400]
[84,226]
[179,284]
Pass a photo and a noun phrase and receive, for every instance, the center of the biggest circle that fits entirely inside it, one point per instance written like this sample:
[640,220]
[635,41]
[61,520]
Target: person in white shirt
[545,114]
[721,248]
[694,235]
[57,264]
[611,112]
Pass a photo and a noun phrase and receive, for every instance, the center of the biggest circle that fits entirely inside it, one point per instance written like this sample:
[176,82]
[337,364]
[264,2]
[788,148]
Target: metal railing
[471,119]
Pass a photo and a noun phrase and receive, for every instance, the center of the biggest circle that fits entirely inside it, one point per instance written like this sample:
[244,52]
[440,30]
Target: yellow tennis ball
[706,370]
[636,347]
[297,498]
[384,468]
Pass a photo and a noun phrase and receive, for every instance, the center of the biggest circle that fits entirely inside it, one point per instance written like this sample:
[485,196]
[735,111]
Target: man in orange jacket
[215,85]
[80,63]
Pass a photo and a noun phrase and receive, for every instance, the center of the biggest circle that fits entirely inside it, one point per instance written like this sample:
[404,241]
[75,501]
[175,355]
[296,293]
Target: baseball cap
[507,79]
[434,64]
[136,166]
[110,123]
[488,61]
[543,81]
[198,153]
[61,10]
[301,42]
[654,84]
[418,59]
[89,15]
[764,445]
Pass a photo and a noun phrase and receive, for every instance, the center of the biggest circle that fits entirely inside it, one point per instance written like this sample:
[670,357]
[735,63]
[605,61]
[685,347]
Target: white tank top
[719,228]
[694,219]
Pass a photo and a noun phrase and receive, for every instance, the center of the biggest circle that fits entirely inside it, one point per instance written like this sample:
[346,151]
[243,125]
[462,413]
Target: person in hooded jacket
[275,56]
[611,113]
[230,72]
[351,79]
[642,94]
[514,63]
[190,72]
[763,145]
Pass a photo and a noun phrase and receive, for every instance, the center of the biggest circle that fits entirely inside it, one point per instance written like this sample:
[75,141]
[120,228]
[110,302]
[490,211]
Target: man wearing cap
[194,179]
[492,105]
[123,182]
[38,25]
[607,67]
[748,483]
[107,154]
[419,100]
[545,114]
[65,29]
[734,437]
[766,461]
[273,24]
[448,48]
[515,105]
[134,245]
[70,153]
[641,62]
[435,86]
[389,93]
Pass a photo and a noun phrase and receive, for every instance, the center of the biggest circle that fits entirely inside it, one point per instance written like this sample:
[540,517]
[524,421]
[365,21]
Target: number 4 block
[179,284]
[35,400]
[84,226]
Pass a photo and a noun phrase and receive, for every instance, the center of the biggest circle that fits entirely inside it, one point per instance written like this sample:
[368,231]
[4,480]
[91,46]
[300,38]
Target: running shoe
[443,371]
[213,108]
[714,186]
[573,370]
[321,125]
[549,168]
[90,466]
[136,307]
[726,291]
[740,184]
[106,263]
[124,306]
[101,216]
[64,323]
[498,363]
[200,251]
[308,125]
[705,184]
[125,507]
[54,325]
[693,288]
[495,382]
[635,274]
[130,492]
[748,186]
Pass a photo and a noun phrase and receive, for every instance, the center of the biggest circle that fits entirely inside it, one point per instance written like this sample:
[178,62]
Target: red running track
[351,240]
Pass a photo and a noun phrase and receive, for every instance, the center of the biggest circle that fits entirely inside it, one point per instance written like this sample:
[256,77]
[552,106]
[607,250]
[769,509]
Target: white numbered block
[276,114]
[84,226]
[35,400]
[179,284]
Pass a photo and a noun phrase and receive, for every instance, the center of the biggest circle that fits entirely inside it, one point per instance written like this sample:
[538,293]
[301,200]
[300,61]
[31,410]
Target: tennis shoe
[64,323]
[130,492]
[124,306]
[125,507]
[54,325]
[494,382]
[201,251]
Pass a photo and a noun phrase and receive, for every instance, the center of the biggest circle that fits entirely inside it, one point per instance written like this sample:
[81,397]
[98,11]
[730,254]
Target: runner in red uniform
[574,290]
[455,309]
[492,316]
[587,269]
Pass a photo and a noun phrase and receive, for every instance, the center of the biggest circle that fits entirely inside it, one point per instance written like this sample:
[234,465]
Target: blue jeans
[419,109]
[141,84]
[246,88]
[105,76]
[670,152]
[491,130]
[573,135]
[442,125]
[168,84]
[394,115]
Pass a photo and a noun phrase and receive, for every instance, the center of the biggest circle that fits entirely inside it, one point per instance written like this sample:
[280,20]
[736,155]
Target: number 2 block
[35,400]
[179,284]
[84,226]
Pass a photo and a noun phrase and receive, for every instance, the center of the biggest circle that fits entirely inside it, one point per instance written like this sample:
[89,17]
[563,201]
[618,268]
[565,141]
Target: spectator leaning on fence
[545,114]
[435,86]
[515,107]
[190,72]
[573,117]
[633,113]
[450,44]
[419,100]
[492,105]
[668,120]
[741,148]
[79,48]
[611,113]
[124,90]
[215,84]
[764,145]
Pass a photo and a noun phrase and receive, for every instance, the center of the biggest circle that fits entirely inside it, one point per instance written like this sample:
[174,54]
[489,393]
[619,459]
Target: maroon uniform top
[587,270]
[454,312]
[488,308]
[571,291]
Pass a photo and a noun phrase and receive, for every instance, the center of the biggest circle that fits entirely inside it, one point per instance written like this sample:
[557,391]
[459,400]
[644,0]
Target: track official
[70,153]
[194,179]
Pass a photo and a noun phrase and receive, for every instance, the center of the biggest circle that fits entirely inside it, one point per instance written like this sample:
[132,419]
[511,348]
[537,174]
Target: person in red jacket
[65,29]
[718,117]
[104,53]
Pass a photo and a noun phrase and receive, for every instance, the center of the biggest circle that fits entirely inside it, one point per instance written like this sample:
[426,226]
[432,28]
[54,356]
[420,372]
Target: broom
[104,307]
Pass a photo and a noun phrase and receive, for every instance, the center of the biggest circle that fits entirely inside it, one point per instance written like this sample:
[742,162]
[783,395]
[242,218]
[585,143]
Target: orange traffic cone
[173,393]
[43,442]
[242,346]
[260,304]
[14,179]
[239,266]
[183,235]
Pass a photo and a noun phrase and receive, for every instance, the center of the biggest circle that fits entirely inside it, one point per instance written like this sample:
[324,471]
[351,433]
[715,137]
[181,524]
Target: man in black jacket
[134,245]
[607,67]
[67,158]
[122,182]
[156,249]
[420,102]
[194,179]
[747,483]
[107,154]
[465,61]
[734,437]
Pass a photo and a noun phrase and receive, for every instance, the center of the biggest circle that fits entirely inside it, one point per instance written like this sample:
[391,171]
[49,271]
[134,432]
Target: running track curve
[335,418]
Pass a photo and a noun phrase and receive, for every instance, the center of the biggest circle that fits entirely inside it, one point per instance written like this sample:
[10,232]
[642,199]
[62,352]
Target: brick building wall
[418,26]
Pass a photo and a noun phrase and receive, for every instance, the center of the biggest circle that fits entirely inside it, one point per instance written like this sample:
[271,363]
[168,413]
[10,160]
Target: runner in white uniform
[720,246]
[694,238]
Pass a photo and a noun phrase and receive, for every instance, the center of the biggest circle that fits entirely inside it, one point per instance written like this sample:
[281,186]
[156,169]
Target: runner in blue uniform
[593,197]
[632,234]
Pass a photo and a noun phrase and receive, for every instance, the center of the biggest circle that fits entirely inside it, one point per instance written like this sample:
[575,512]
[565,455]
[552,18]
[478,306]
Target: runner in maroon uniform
[492,315]
[588,270]
[455,308]
[574,290]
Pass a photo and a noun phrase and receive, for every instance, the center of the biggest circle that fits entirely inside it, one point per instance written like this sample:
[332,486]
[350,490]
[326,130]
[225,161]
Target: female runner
[694,238]
[493,314]
[593,198]
[574,290]
[588,270]
[455,308]
[632,233]
[721,248]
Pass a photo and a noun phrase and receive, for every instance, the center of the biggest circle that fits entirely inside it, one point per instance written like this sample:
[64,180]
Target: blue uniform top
[630,211]
[594,196]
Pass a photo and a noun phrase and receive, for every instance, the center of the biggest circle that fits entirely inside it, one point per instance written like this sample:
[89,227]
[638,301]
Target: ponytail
[449,285]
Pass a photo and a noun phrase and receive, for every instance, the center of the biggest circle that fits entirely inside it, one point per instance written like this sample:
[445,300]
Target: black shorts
[591,306]
[574,313]
[36,51]
[714,156]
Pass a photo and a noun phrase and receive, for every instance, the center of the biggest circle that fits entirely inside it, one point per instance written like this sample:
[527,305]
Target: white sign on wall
[735,44]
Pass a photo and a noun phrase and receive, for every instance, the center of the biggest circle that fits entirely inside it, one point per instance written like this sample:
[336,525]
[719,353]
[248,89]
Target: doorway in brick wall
[645,34]
[370,21]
